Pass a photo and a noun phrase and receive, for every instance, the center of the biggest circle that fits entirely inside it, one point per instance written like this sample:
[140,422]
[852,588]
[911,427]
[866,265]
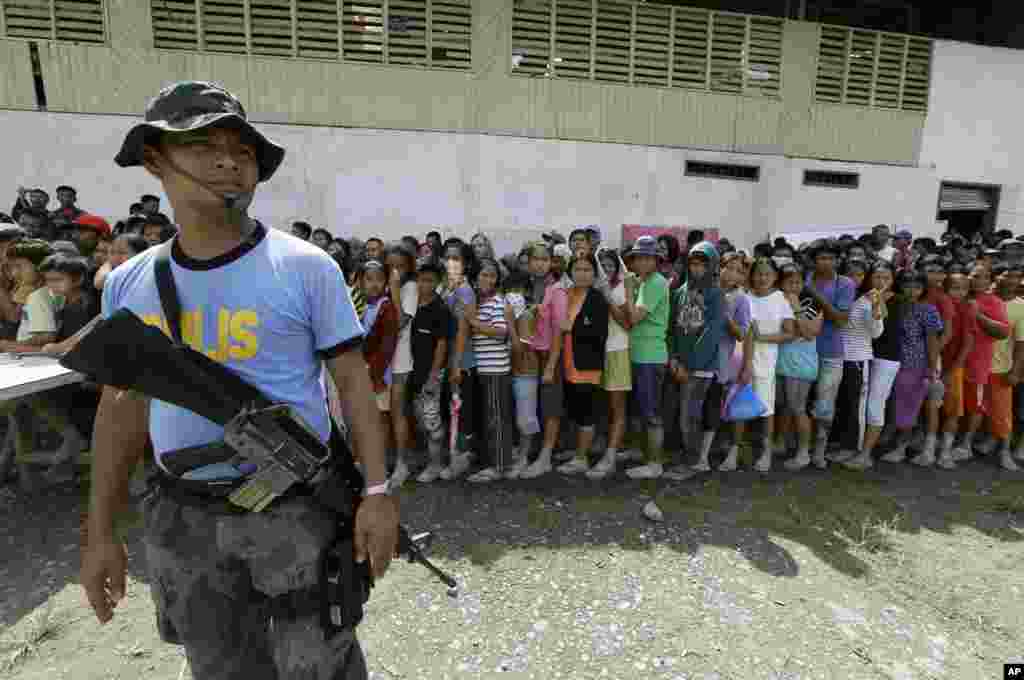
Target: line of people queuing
[858,350]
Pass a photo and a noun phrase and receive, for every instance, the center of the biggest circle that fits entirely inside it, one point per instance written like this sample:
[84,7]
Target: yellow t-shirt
[1002,354]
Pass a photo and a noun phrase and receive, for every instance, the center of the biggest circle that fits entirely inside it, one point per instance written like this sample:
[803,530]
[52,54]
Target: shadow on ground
[837,514]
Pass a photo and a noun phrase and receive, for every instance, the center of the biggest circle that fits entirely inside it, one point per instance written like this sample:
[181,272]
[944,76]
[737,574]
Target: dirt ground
[899,573]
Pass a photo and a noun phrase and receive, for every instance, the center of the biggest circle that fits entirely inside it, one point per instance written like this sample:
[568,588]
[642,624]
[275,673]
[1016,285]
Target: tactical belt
[214,495]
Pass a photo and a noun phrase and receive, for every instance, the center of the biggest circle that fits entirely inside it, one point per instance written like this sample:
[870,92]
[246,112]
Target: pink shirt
[550,317]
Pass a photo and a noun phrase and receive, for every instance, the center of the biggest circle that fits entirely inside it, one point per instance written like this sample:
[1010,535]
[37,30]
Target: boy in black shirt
[74,301]
[430,329]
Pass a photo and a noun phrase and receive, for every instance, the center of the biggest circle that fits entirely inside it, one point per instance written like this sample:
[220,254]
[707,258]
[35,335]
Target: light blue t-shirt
[263,310]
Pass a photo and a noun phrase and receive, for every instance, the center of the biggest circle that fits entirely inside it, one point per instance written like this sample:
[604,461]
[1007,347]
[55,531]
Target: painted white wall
[973,130]
[374,182]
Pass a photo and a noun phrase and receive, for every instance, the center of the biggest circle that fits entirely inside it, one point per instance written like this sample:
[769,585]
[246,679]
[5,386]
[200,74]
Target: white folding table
[25,375]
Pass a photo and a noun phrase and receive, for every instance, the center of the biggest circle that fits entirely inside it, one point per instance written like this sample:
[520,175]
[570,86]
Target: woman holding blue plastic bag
[772,323]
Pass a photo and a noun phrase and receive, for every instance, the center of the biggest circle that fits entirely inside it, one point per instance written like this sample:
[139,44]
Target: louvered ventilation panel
[652,43]
[407,32]
[451,33]
[80,21]
[728,34]
[270,25]
[224,26]
[860,68]
[764,57]
[832,50]
[690,48]
[174,24]
[891,50]
[28,18]
[573,31]
[363,31]
[318,28]
[870,68]
[611,58]
[917,76]
[531,36]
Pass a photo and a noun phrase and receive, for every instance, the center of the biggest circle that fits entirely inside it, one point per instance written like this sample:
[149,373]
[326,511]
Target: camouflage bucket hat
[196,105]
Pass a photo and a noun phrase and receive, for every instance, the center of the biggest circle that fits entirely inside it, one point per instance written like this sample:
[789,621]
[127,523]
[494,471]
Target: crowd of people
[573,357]
[848,350]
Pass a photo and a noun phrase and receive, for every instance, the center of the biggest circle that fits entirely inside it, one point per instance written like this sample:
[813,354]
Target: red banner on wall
[631,232]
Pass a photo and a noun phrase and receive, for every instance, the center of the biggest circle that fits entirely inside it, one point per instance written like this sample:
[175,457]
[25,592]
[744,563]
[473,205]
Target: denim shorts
[830,375]
[525,389]
[648,380]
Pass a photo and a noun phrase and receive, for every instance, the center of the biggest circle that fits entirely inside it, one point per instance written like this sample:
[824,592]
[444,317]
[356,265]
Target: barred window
[647,44]
[82,21]
[429,33]
[872,68]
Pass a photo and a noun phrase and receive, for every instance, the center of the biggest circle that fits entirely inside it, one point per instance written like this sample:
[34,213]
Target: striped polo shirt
[492,354]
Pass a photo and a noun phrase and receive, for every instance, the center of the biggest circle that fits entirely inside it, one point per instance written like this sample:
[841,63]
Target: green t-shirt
[647,339]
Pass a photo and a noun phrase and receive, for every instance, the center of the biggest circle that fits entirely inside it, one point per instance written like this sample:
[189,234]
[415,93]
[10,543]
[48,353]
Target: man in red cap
[88,230]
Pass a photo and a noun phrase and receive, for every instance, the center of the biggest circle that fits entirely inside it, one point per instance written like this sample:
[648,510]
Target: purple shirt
[839,292]
[737,308]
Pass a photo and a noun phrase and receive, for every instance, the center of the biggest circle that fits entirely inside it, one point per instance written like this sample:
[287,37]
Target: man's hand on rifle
[376,535]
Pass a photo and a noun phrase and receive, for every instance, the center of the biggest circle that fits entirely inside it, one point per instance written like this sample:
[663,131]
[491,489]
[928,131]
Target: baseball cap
[645,245]
[94,222]
[904,234]
[197,105]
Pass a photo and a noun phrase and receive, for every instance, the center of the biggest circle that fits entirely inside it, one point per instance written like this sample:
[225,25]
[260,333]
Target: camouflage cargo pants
[211,572]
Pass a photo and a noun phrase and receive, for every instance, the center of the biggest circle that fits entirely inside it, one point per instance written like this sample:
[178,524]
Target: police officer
[275,310]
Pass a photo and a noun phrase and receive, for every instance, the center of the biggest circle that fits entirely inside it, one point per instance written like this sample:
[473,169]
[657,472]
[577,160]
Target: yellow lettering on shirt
[236,337]
[243,322]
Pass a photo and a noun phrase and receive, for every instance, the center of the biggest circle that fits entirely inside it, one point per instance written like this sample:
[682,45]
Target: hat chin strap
[234,201]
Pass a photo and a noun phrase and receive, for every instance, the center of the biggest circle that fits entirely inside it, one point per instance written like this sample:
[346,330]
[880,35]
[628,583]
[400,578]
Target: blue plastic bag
[742,403]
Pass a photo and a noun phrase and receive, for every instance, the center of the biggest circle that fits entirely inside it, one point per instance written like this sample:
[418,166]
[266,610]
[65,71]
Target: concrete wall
[120,77]
[973,132]
[388,183]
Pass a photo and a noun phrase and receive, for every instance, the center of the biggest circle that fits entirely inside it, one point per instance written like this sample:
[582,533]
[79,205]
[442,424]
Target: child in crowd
[884,365]
[1007,364]
[772,323]
[648,350]
[616,380]
[490,326]
[585,334]
[698,324]
[380,321]
[459,296]
[404,294]
[954,360]
[797,366]
[989,312]
[122,249]
[430,330]
[547,342]
[735,349]
[525,370]
[919,357]
[863,326]
[935,273]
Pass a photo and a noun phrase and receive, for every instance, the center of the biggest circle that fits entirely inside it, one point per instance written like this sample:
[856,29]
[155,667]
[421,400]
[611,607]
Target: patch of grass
[599,504]
[1000,497]
[42,625]
[542,518]
[484,554]
[842,514]
[631,539]
[696,507]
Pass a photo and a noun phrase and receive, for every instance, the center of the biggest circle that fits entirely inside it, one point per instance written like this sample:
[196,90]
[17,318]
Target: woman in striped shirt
[865,324]
[490,327]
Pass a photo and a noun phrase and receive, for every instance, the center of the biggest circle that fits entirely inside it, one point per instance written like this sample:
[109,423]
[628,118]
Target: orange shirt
[576,298]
